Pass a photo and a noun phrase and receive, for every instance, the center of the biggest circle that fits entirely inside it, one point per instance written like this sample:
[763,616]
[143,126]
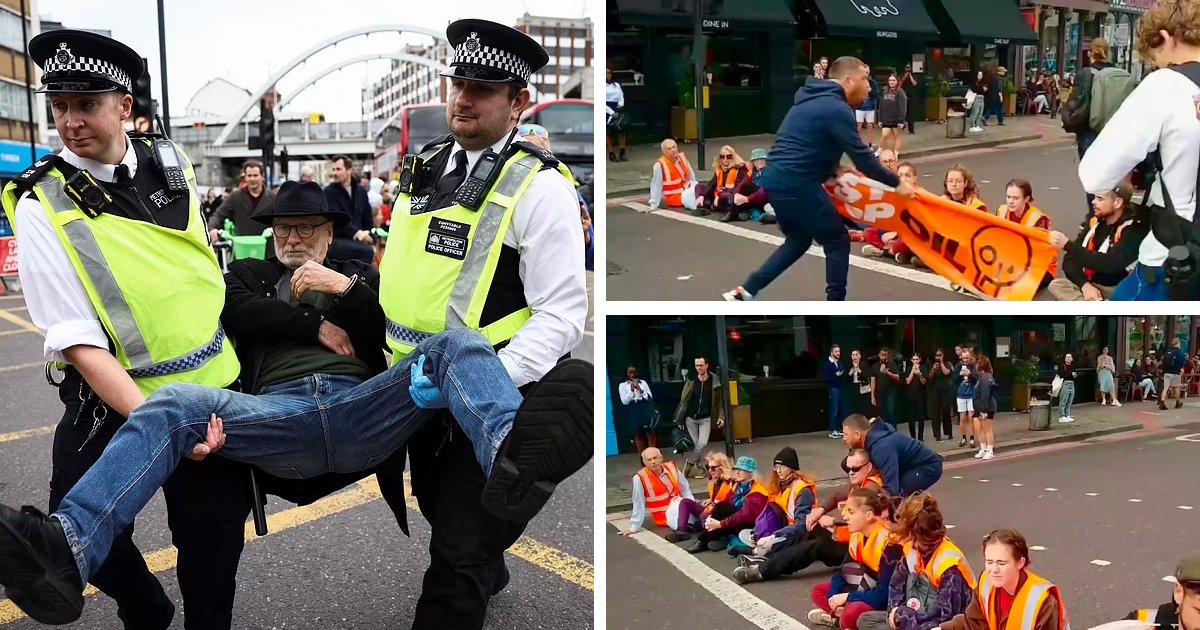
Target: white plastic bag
[1056,385]
[971,96]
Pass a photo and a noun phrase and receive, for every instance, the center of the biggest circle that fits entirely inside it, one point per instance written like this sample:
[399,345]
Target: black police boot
[550,439]
[37,568]
[501,581]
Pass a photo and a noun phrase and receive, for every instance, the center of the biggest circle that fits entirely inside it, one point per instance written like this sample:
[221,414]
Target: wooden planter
[935,108]
[1010,104]
[1020,396]
[683,124]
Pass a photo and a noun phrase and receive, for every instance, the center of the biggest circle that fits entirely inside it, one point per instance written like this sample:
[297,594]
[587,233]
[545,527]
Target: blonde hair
[720,460]
[1099,49]
[737,162]
[1179,18]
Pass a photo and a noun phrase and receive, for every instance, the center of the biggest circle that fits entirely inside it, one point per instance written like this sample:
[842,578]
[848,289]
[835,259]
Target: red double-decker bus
[407,132]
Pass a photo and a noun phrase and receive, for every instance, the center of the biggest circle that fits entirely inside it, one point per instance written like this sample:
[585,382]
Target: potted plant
[935,99]
[1024,373]
[683,117]
[1010,98]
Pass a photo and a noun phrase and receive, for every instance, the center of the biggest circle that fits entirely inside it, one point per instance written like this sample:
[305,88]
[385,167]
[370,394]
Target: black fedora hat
[493,53]
[302,199]
[82,62]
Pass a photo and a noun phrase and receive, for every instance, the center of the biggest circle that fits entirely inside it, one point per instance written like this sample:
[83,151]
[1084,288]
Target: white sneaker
[981,452]
[1066,419]
[820,617]
[988,454]
[1116,403]
[871,250]
[738,295]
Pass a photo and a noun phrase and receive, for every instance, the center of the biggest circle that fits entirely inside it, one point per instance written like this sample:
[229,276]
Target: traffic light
[283,162]
[143,103]
[266,126]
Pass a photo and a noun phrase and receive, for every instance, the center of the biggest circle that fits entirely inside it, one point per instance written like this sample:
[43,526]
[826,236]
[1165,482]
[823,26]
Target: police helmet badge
[472,43]
[64,56]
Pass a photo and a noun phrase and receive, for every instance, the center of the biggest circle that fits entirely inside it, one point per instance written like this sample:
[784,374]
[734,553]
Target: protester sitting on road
[984,404]
[693,513]
[907,466]
[673,184]
[959,186]
[1007,589]
[1066,393]
[1018,207]
[793,504]
[653,488]
[752,194]
[1172,367]
[861,584]
[730,171]
[1106,370]
[1183,611]
[825,536]
[934,582]
[750,497]
[1100,256]
[888,244]
[965,397]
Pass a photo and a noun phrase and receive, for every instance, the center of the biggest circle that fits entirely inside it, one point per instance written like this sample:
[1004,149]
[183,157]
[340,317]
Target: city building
[777,361]
[407,83]
[568,41]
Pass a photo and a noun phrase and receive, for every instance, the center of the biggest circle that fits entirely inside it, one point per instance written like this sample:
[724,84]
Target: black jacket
[355,204]
[1110,267]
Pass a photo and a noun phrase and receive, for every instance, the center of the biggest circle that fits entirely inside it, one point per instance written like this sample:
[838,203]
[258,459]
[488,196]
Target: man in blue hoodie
[818,129]
[907,465]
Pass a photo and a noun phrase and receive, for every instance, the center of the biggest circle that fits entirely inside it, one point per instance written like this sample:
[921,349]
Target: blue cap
[748,464]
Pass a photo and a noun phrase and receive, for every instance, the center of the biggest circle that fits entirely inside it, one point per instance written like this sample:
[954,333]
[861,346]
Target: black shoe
[677,537]
[37,569]
[1162,405]
[1178,403]
[622,157]
[743,216]
[962,443]
[502,582]
[718,545]
[768,219]
[612,157]
[697,547]
[550,439]
[727,217]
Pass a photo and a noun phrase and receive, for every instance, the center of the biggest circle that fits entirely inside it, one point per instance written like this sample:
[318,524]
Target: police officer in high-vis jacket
[484,235]
[117,271]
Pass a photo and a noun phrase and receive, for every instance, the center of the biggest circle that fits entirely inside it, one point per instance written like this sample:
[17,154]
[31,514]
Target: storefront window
[625,58]
[1146,335]
[1087,343]
[1048,344]
[957,65]
[735,61]
[778,347]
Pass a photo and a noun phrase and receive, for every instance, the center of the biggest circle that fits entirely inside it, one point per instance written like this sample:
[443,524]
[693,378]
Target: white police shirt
[57,301]
[547,232]
[1162,113]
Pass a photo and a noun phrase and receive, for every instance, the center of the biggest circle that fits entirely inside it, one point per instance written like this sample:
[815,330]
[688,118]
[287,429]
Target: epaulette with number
[436,141]
[30,176]
[545,156]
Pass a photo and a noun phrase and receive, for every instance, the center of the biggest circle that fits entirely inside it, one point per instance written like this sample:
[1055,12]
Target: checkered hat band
[490,57]
[186,363]
[406,335]
[97,67]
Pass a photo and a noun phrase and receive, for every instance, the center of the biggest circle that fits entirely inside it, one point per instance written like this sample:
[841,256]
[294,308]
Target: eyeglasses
[726,156]
[854,469]
[304,230]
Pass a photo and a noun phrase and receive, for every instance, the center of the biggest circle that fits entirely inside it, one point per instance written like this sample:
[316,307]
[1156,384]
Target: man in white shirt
[686,199]
[1160,115]
[676,486]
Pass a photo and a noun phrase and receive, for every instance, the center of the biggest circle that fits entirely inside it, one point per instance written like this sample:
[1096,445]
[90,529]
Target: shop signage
[1132,6]
[887,34]
[8,256]
[876,8]
[717,24]
[1000,41]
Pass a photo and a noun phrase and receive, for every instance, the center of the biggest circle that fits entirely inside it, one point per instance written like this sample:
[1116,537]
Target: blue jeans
[921,478]
[805,216]
[299,429]
[1066,396]
[994,109]
[1134,287]
[835,409]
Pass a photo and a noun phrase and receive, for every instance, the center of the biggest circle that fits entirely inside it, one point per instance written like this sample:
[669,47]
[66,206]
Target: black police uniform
[468,542]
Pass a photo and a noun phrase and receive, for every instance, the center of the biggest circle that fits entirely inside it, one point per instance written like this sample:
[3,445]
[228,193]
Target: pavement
[669,255]
[822,455]
[1102,517]
[633,177]
[340,563]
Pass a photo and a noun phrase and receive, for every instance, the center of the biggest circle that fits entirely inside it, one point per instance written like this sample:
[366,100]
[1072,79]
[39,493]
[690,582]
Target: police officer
[102,226]
[485,235]
[1183,611]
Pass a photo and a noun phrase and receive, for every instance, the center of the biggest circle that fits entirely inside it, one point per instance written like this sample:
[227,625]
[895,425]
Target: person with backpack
[1160,117]
[1099,91]
[1172,367]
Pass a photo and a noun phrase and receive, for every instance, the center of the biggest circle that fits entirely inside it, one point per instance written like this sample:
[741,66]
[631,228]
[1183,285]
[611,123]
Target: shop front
[1154,334]
[777,361]
[747,48]
[1120,28]
[977,34]
[14,158]
[1065,30]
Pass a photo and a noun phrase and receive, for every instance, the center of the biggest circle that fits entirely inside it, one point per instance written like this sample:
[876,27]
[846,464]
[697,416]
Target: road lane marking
[734,597]
[1038,548]
[1093,494]
[1101,563]
[1051,489]
[1135,500]
[27,433]
[20,321]
[19,331]
[1018,485]
[1194,437]
[1184,507]
[957,476]
[985,480]
[22,366]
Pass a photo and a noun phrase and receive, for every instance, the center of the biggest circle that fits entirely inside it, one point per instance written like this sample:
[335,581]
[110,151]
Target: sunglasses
[854,469]
[726,156]
[714,468]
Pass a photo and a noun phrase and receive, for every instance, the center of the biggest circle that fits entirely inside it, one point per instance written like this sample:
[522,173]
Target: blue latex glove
[421,388]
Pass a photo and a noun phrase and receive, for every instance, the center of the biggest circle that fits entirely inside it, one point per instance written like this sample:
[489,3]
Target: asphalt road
[653,257]
[1107,512]
[341,563]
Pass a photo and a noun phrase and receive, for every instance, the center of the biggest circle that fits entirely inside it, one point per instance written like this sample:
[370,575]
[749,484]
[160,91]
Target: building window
[735,62]
[10,31]
[13,102]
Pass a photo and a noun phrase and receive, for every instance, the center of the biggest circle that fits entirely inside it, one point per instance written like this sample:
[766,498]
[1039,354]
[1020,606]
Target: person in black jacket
[1099,258]
[353,240]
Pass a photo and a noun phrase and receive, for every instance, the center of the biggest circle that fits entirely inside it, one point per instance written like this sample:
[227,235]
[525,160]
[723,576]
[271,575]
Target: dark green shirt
[291,360]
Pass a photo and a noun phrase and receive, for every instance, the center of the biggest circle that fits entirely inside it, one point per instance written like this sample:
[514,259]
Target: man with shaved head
[653,488]
[673,184]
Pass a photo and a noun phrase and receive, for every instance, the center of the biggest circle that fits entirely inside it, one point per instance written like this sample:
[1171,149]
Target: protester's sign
[995,258]
[8,256]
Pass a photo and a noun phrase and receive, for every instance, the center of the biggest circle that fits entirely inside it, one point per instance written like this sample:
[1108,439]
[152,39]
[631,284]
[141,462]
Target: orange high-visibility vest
[974,203]
[1089,240]
[674,180]
[947,555]
[1027,603]
[787,499]
[841,533]
[726,179]
[866,548]
[1030,220]
[658,496]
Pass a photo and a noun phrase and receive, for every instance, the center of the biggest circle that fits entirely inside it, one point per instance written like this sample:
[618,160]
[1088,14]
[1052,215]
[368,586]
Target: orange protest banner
[995,258]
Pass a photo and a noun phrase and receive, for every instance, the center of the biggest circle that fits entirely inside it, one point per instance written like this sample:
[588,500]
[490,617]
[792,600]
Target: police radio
[171,165]
[470,193]
[89,194]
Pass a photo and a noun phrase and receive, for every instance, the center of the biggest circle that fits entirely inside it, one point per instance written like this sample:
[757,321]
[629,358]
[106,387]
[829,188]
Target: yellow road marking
[27,433]
[589,333]
[549,559]
[19,331]
[17,308]
[20,321]
[12,297]
[22,366]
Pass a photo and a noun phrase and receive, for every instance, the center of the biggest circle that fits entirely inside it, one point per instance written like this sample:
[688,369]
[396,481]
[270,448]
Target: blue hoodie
[817,130]
[890,452]
[869,103]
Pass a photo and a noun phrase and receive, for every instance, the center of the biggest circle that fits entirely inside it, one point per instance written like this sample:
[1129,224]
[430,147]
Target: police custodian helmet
[81,62]
[493,53]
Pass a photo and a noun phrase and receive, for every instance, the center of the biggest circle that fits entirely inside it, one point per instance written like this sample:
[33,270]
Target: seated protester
[861,584]
[1183,611]
[1018,207]
[888,244]
[1107,246]
[906,465]
[1007,587]
[933,582]
[673,183]
[796,499]
[750,498]
[693,513]
[654,487]
[751,193]
[960,187]
[825,537]
[730,171]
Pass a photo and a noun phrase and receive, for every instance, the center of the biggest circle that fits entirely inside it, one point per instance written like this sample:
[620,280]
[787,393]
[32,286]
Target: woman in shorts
[985,408]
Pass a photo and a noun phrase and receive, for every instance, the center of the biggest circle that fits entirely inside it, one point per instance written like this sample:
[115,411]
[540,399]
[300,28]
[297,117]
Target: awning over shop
[988,22]
[717,15]
[885,19]
[15,157]
[1099,6]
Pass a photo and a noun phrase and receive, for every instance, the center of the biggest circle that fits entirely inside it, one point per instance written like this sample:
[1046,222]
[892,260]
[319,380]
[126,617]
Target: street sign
[8,256]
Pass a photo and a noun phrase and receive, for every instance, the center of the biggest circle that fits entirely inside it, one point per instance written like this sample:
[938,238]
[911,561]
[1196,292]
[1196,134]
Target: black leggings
[800,552]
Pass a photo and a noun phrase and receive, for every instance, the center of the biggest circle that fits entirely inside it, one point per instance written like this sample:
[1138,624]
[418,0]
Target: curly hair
[720,460]
[1179,18]
[970,190]
[919,519]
